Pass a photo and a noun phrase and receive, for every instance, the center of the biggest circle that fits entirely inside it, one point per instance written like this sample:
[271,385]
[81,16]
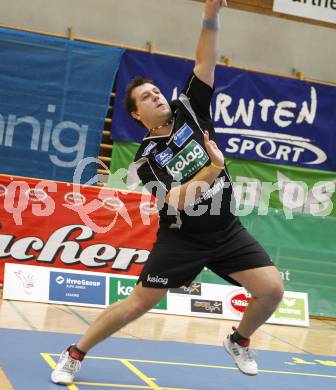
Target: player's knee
[276,291]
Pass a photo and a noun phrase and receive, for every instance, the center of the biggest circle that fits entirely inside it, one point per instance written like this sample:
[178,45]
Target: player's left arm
[208,44]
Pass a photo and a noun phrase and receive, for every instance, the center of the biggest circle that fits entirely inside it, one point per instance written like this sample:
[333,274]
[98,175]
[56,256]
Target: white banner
[324,10]
[95,289]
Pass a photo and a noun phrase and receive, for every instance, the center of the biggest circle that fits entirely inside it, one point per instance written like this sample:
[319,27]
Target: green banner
[303,249]
[121,288]
[122,156]
[292,216]
[259,185]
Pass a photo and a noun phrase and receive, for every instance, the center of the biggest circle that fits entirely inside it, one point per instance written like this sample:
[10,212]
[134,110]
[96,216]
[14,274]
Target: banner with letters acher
[54,96]
[256,116]
[75,227]
[80,245]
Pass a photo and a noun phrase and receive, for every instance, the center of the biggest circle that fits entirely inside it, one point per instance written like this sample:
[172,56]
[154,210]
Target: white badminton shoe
[65,370]
[242,357]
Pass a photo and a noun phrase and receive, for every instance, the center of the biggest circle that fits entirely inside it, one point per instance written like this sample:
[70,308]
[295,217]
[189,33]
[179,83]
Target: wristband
[210,23]
[217,166]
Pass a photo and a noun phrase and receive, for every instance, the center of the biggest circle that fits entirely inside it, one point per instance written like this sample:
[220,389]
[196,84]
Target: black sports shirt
[173,159]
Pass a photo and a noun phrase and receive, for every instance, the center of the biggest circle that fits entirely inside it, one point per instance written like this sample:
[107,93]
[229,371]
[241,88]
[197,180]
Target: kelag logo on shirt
[188,161]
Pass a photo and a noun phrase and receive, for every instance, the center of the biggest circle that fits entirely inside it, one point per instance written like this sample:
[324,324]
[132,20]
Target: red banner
[71,226]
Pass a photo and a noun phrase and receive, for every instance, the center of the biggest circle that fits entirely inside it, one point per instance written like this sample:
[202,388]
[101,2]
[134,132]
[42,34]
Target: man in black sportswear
[180,161]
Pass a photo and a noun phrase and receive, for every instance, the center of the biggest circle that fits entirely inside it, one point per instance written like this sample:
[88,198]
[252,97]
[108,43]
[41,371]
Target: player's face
[152,107]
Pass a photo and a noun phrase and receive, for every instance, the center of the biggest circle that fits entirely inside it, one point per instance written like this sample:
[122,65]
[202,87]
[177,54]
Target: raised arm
[207,48]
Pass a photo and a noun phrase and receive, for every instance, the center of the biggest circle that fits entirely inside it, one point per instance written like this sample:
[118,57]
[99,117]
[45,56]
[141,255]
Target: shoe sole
[243,372]
[61,383]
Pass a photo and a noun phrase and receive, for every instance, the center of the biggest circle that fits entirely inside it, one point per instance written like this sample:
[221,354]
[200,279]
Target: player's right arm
[207,47]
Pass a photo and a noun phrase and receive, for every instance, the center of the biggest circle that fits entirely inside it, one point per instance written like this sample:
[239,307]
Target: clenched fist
[212,7]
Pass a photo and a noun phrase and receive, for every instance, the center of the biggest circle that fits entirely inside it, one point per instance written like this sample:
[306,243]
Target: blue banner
[54,96]
[256,116]
[169,73]
[77,288]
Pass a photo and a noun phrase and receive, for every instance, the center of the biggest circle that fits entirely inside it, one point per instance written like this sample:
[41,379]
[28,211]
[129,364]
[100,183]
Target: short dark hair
[130,103]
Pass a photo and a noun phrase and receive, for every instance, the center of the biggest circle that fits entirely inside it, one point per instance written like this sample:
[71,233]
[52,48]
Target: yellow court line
[298,373]
[208,366]
[118,385]
[141,375]
[4,381]
[52,364]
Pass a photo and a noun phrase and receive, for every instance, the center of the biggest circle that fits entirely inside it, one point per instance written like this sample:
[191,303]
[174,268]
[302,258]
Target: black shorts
[178,257]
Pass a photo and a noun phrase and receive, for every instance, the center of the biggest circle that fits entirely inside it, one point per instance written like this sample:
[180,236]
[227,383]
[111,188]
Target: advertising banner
[76,288]
[257,184]
[256,116]
[230,302]
[324,10]
[121,158]
[291,211]
[291,189]
[51,285]
[304,251]
[122,286]
[57,225]
[99,290]
[74,227]
[54,96]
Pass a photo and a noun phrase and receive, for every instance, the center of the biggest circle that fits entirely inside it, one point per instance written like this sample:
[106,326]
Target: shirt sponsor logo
[163,157]
[149,148]
[206,306]
[188,161]
[193,289]
[218,186]
[182,135]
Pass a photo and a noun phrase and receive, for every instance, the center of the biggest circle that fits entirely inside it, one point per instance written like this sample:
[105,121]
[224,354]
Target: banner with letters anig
[54,96]
[256,116]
